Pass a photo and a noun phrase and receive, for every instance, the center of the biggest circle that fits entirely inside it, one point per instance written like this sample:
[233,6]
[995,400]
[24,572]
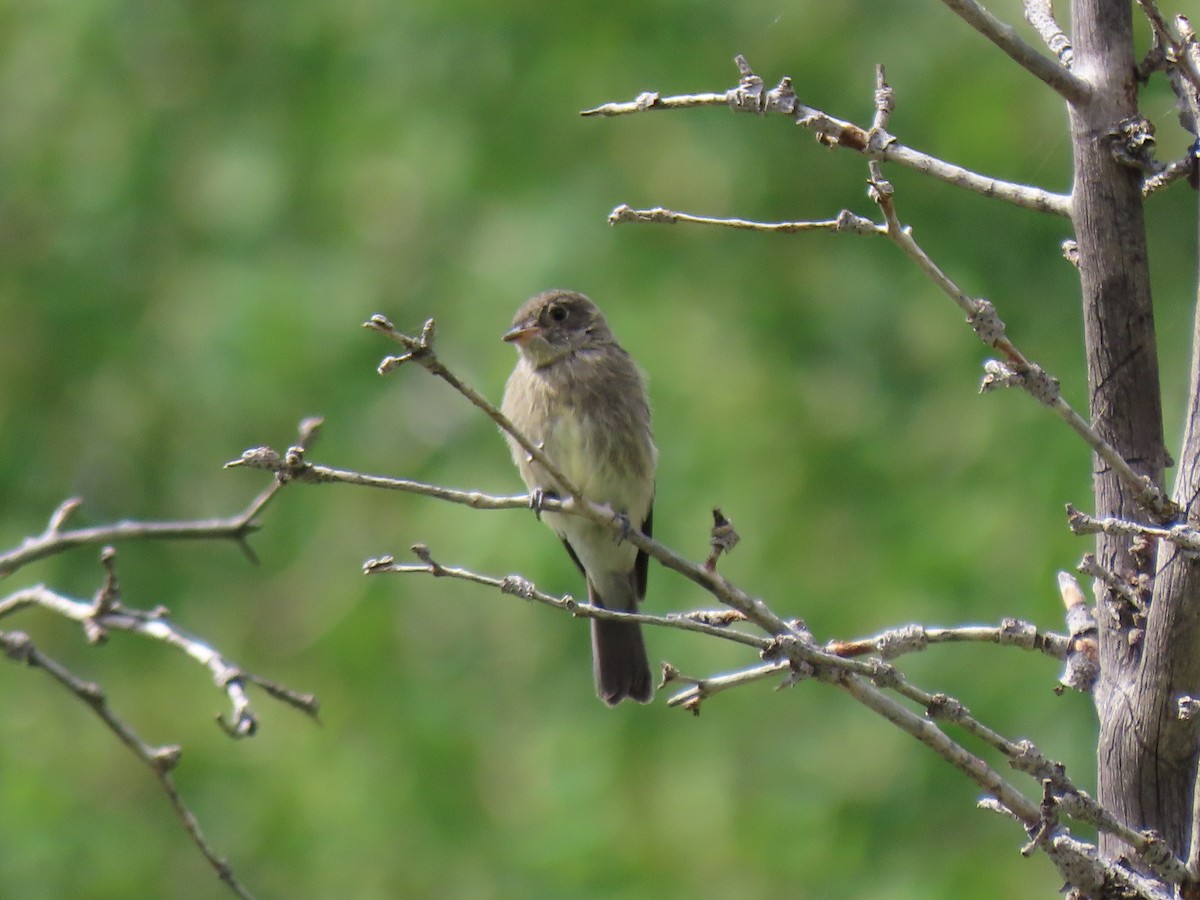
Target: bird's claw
[537,500]
[625,527]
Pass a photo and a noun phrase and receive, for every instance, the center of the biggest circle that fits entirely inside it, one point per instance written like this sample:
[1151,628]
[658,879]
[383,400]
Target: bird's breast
[598,438]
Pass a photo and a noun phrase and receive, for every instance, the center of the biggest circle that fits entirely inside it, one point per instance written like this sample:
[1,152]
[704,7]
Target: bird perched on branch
[580,398]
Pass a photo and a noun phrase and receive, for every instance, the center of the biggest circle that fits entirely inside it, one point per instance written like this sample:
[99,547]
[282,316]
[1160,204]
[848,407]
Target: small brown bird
[580,398]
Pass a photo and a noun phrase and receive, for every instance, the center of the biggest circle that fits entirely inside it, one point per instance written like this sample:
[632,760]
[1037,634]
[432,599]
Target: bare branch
[1040,14]
[1178,47]
[1182,536]
[1004,36]
[293,467]
[790,647]
[237,527]
[700,689]
[98,621]
[522,587]
[1017,370]
[160,760]
[1082,667]
[723,539]
[846,221]
[53,540]
[1172,172]
[660,216]
[874,143]
[420,350]
[801,658]
[906,639]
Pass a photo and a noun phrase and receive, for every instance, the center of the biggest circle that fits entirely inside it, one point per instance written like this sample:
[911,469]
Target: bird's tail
[619,662]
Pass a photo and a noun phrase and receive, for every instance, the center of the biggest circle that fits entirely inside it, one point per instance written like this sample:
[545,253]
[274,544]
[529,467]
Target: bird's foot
[624,527]
[538,498]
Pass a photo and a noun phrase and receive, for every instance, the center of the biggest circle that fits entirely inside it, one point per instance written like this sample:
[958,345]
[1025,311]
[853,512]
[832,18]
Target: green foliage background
[199,205]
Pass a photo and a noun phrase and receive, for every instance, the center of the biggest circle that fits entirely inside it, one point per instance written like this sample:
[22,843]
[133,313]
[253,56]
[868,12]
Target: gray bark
[1146,755]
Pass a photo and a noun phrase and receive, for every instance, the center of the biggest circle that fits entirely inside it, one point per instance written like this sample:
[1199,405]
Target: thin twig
[1040,14]
[937,740]
[1172,172]
[1182,536]
[1050,72]
[237,527]
[1177,46]
[296,468]
[789,648]
[1082,668]
[749,96]
[1016,369]
[160,760]
[661,216]
[52,540]
[522,587]
[895,642]
[700,689]
[420,350]
[157,626]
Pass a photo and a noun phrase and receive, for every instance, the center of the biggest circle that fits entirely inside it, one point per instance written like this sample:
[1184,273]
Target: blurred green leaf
[199,205]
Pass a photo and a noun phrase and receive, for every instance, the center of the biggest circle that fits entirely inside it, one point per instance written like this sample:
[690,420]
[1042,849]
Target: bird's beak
[520,334]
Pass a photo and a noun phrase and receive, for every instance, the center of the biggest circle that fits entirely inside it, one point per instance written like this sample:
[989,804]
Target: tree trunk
[1146,754]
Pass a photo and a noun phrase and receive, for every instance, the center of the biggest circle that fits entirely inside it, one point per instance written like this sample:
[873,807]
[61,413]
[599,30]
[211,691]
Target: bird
[579,397]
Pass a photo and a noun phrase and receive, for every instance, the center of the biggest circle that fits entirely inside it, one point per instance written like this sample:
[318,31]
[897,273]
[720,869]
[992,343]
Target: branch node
[986,322]
[782,98]
[164,759]
[884,675]
[18,646]
[718,618]
[517,586]
[945,708]
[60,515]
[256,458]
[797,673]
[722,540]
[853,223]
[1187,708]
[421,552]
[419,348]
[105,601]
[885,105]
[1040,385]
[1082,667]
[379,564]
[998,374]
[749,95]
[1040,14]
[899,641]
[879,189]
[1132,143]
[1017,633]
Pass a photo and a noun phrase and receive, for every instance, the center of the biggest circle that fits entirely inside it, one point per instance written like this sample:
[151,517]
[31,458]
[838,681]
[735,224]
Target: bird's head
[556,324]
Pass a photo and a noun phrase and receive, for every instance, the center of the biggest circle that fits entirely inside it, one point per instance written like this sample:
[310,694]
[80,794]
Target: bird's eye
[558,313]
